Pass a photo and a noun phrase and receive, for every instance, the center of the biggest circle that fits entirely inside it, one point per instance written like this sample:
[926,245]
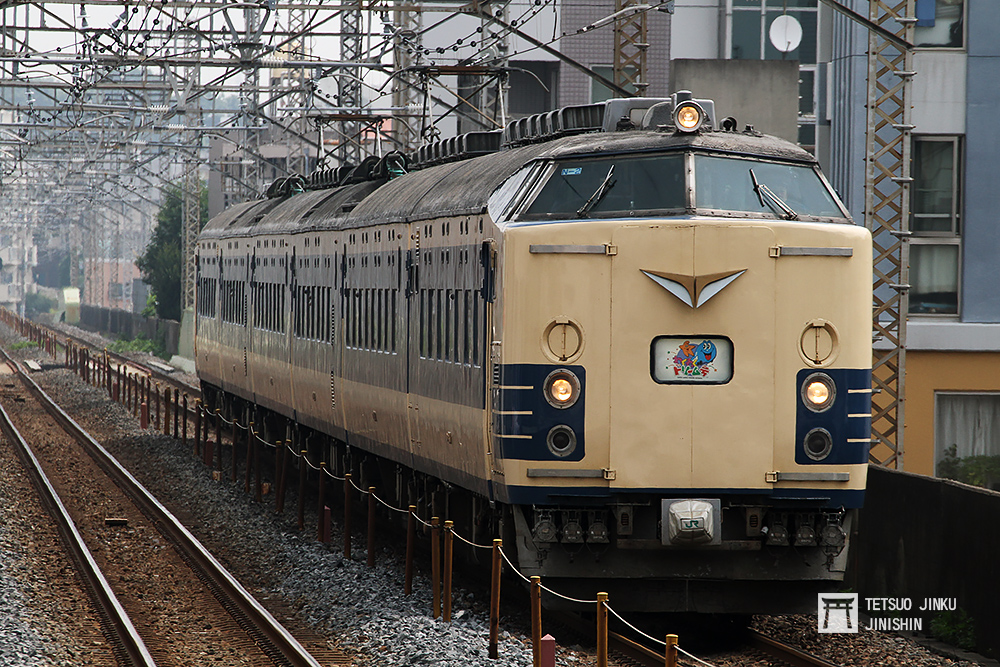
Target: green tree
[161,263]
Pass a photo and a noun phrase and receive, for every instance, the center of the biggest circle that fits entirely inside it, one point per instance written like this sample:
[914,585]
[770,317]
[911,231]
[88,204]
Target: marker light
[688,116]
[562,388]
[818,392]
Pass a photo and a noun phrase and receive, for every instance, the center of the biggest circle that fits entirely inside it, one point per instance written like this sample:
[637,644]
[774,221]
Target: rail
[126,642]
[255,619]
[787,653]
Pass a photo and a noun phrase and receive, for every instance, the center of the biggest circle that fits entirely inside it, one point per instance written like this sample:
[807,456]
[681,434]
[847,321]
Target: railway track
[247,628]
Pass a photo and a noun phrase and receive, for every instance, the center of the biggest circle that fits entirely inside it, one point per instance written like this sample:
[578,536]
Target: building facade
[952,381]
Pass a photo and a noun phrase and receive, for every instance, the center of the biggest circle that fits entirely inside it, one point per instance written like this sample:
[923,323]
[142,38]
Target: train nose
[694,353]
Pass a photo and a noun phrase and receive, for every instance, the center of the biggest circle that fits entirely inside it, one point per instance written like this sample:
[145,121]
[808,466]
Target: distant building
[19,256]
[108,283]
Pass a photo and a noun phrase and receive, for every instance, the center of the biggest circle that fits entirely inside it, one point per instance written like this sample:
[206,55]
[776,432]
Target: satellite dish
[785,33]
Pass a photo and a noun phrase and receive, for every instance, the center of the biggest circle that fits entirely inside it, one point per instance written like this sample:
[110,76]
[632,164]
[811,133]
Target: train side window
[395,296]
[448,334]
[457,356]
[439,325]
[379,328]
[475,329]
[464,355]
[506,198]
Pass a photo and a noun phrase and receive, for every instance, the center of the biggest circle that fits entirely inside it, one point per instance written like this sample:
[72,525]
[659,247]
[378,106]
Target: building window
[935,220]
[599,92]
[940,23]
[967,437]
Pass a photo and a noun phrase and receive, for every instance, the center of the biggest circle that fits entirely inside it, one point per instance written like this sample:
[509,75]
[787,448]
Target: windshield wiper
[598,195]
[767,198]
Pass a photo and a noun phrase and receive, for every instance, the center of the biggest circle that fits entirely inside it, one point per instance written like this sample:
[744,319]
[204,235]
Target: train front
[683,410]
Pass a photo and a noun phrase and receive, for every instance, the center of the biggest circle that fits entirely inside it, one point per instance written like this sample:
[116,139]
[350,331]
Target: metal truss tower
[190,183]
[887,213]
[406,92]
[349,83]
[492,99]
[298,97]
[631,44]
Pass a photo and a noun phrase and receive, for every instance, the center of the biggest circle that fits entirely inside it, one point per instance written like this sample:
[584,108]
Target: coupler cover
[691,522]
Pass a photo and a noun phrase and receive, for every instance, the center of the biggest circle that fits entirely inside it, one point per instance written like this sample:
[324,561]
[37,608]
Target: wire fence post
[303,465]
[495,601]
[198,410]
[602,630]
[282,474]
[671,654]
[347,516]
[436,565]
[536,621]
[218,442]
[166,410]
[258,454]
[206,424]
[371,526]
[232,465]
[411,538]
[449,551]
[321,523]
[251,440]
[177,412]
[277,469]
[184,422]
[156,408]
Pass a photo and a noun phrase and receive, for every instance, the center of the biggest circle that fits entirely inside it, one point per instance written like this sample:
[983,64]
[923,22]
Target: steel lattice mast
[631,44]
[887,213]
[349,84]
[406,98]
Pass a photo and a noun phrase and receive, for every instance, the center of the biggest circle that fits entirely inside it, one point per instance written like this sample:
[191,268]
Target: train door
[490,360]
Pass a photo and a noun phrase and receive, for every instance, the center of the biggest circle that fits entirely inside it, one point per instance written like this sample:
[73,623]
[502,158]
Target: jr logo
[693,524]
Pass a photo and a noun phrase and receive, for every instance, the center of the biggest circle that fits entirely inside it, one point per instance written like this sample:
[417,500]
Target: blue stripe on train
[849,418]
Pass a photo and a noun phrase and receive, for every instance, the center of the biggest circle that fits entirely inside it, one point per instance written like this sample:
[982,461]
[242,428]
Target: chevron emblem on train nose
[694,291]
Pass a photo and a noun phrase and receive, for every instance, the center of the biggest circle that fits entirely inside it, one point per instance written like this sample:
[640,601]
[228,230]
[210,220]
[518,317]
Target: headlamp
[561,388]
[819,392]
[688,116]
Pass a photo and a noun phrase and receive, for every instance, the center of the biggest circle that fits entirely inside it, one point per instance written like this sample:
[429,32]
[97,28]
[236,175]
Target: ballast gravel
[362,610]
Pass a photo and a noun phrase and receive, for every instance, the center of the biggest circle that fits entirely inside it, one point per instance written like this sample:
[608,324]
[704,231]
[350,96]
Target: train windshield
[622,184]
[725,184]
[657,185]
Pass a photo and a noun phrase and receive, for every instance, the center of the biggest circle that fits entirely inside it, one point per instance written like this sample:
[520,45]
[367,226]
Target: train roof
[463,187]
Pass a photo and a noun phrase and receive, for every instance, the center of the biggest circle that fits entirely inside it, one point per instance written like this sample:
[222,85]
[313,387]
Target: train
[629,338]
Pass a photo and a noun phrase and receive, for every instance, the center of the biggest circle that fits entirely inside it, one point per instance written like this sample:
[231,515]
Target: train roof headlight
[562,388]
[819,392]
[688,116]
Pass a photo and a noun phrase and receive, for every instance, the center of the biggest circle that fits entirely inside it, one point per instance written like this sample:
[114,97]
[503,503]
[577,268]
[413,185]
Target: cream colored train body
[649,350]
